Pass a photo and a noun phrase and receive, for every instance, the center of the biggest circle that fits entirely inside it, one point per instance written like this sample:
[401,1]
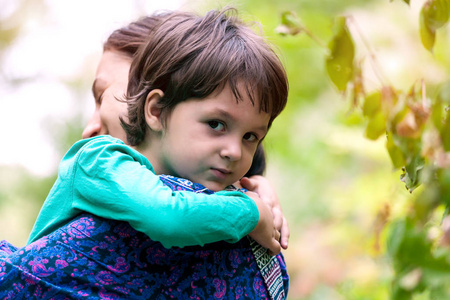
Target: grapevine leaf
[376,126]
[435,13]
[427,34]
[339,62]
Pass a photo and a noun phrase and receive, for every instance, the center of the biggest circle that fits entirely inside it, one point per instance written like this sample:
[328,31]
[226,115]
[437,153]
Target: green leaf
[395,237]
[395,152]
[406,1]
[443,178]
[435,13]
[289,18]
[437,115]
[290,24]
[376,126]
[372,104]
[412,172]
[427,34]
[439,106]
[339,62]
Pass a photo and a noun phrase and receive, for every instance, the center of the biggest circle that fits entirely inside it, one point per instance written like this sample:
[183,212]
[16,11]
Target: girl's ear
[153,110]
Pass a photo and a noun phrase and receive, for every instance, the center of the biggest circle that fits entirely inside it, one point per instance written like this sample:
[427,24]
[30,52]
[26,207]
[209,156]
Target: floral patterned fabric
[95,258]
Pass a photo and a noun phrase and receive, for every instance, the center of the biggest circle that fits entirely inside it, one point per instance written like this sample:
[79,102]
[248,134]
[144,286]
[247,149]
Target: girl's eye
[216,125]
[250,137]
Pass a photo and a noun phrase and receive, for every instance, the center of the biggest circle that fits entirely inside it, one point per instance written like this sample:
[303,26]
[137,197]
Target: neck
[151,150]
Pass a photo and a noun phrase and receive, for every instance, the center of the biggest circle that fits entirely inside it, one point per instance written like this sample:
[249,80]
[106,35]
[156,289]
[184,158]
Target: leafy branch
[416,127]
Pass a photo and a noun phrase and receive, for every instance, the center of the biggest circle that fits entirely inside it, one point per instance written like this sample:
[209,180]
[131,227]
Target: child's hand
[266,192]
[265,232]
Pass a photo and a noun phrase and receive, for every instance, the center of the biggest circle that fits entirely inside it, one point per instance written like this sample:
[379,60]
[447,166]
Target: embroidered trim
[270,270]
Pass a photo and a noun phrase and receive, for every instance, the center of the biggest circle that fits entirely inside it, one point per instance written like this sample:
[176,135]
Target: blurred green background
[336,187]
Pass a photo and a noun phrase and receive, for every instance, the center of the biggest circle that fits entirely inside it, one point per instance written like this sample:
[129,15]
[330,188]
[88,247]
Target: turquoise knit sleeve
[114,181]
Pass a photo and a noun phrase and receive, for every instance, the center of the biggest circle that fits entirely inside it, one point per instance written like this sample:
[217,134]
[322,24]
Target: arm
[114,181]
[264,189]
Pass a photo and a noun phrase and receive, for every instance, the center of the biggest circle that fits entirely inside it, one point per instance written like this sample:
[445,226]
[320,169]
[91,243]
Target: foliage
[416,127]
[433,15]
[336,187]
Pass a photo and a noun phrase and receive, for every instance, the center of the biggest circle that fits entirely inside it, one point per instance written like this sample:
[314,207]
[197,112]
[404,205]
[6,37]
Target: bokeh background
[337,188]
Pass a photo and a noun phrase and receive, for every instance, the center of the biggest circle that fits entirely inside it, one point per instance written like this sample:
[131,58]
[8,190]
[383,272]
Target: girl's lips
[220,173]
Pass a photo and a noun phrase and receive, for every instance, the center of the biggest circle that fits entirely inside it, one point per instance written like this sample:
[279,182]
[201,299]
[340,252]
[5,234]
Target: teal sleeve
[116,182]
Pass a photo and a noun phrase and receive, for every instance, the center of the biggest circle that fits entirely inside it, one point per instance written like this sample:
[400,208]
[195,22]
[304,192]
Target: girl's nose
[93,128]
[232,150]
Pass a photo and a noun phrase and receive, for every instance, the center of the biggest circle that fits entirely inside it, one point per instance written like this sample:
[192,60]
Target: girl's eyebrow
[225,114]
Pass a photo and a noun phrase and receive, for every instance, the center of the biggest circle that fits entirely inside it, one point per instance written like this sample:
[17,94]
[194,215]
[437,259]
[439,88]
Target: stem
[373,58]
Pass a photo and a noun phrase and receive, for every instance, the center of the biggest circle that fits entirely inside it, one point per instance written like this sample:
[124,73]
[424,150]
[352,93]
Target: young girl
[188,119]
[111,81]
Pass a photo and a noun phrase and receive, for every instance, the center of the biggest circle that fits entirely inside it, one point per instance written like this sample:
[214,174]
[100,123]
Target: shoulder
[86,146]
[102,148]
[97,142]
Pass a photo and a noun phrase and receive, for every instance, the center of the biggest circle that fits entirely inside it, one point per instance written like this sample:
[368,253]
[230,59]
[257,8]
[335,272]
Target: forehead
[113,67]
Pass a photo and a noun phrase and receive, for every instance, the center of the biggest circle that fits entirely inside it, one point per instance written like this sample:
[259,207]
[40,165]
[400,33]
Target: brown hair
[189,56]
[129,38]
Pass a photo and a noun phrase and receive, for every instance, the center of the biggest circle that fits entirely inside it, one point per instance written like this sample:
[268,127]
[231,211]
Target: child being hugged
[202,95]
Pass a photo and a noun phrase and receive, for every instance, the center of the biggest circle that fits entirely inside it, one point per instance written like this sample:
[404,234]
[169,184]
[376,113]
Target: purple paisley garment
[95,258]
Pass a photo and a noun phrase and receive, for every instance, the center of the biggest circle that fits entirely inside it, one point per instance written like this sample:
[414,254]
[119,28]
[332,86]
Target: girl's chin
[214,186]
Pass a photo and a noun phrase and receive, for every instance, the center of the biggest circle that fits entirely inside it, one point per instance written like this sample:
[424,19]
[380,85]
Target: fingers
[284,241]
[275,247]
[277,235]
[248,184]
[282,226]
[277,218]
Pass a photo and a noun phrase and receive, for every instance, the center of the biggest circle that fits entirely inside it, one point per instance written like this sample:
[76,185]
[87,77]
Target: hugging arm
[114,181]
[126,189]
[266,192]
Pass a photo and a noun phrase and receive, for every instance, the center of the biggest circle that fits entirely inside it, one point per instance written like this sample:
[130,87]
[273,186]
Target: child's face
[211,141]
[110,83]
